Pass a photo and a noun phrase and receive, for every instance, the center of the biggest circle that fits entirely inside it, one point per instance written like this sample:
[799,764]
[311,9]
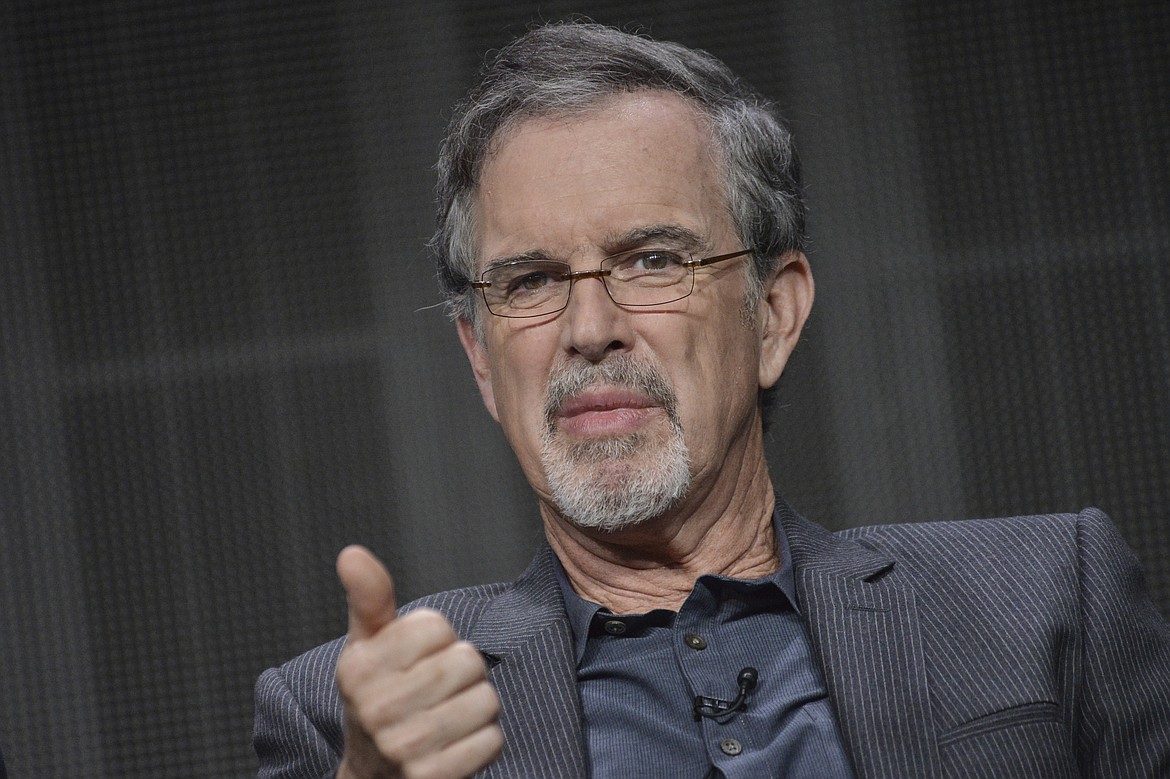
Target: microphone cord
[713,708]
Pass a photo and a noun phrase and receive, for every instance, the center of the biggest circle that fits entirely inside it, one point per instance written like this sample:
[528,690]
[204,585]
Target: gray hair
[568,68]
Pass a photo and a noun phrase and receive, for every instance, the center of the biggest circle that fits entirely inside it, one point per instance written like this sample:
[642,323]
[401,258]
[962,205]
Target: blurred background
[220,359]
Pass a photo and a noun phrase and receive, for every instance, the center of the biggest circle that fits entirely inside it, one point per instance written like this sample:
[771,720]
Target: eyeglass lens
[644,277]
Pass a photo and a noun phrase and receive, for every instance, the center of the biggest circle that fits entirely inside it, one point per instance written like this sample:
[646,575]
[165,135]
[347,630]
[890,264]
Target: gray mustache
[626,372]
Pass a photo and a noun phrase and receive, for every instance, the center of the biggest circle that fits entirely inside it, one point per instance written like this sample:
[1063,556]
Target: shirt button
[615,627]
[729,746]
[695,641]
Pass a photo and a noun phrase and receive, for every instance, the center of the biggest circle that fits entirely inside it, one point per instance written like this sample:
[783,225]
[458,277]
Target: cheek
[519,390]
[721,385]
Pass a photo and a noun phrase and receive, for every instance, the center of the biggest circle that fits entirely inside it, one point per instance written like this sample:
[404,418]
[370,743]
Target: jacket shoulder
[984,566]
[987,542]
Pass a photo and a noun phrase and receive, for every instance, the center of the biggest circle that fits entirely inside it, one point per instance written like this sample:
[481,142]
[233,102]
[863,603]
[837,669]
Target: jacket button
[695,641]
[729,746]
[615,627]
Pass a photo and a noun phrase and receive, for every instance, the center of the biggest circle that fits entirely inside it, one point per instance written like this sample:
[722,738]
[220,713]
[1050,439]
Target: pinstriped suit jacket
[1021,647]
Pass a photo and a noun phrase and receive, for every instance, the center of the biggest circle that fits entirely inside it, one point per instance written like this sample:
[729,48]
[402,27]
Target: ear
[481,364]
[784,308]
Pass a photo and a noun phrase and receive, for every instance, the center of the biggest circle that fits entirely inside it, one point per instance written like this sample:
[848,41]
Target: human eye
[528,281]
[649,261]
[523,284]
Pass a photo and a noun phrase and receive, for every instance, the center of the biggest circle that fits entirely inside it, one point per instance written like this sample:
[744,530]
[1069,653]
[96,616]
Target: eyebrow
[616,243]
[676,235]
[537,255]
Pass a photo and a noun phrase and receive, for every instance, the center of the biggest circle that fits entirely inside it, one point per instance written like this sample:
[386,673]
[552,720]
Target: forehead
[563,183]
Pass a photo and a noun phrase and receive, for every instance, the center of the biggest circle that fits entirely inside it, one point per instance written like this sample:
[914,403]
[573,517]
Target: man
[620,237]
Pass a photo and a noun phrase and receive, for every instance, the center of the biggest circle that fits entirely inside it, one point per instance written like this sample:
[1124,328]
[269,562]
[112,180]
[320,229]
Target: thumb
[369,590]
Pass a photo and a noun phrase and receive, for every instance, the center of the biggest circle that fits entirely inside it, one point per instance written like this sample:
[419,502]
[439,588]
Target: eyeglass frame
[600,273]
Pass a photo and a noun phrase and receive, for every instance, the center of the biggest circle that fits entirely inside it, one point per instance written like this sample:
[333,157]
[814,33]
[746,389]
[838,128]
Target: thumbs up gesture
[417,700]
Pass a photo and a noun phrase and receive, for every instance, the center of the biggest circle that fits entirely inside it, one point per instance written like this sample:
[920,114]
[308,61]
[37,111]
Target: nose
[593,326]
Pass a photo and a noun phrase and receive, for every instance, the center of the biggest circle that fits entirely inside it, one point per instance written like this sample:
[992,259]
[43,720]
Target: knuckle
[461,666]
[495,740]
[421,771]
[397,746]
[490,700]
[467,654]
[353,667]
[429,625]
[389,707]
[421,615]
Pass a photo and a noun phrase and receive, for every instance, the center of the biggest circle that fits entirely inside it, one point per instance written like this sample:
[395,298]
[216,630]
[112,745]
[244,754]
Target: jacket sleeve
[298,732]
[1125,690]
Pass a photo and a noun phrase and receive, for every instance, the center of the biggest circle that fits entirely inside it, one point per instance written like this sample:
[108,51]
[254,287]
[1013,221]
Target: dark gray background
[219,360]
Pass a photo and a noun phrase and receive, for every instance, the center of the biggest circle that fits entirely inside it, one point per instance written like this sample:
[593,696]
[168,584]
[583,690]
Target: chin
[631,486]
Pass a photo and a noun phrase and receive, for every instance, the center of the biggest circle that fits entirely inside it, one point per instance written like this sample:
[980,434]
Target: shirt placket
[708,670]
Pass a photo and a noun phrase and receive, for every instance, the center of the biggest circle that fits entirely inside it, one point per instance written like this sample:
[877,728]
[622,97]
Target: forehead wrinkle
[704,176]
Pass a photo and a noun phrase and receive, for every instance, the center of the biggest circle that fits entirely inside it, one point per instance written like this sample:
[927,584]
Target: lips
[610,399]
[605,412]
[604,400]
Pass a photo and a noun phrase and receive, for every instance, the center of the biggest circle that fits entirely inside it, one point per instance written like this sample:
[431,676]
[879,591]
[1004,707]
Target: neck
[724,528]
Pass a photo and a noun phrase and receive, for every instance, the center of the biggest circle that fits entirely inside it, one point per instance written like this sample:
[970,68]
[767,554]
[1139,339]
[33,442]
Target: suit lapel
[864,629]
[527,635]
[865,632]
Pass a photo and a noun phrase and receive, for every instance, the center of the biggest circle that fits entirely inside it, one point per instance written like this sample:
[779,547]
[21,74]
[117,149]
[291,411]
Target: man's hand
[417,700]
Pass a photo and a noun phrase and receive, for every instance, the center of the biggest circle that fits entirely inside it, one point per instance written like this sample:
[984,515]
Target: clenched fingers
[379,693]
[417,700]
[460,759]
[442,729]
[399,645]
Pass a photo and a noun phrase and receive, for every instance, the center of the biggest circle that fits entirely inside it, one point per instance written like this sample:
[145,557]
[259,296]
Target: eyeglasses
[640,277]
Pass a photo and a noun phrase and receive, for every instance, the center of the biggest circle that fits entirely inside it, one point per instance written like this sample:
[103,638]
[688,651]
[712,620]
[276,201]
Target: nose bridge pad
[595,273]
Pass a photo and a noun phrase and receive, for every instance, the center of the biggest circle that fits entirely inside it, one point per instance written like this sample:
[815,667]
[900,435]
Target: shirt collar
[581,611]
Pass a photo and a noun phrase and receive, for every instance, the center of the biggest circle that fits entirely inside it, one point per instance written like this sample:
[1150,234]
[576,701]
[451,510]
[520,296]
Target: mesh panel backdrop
[221,361]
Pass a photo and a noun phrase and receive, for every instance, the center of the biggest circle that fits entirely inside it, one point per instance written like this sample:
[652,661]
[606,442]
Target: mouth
[605,412]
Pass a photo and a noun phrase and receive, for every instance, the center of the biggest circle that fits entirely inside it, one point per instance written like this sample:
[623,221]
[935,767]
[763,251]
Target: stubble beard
[617,482]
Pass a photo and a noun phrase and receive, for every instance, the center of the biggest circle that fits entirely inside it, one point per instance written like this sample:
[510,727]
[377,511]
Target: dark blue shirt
[638,676]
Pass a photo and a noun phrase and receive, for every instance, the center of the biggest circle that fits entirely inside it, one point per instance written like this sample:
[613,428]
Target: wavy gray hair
[567,68]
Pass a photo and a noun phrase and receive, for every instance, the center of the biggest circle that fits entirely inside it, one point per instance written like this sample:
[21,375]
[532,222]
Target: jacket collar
[866,635]
[525,636]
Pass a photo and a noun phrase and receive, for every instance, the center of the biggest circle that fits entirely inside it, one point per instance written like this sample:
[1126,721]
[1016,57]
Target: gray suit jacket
[1021,647]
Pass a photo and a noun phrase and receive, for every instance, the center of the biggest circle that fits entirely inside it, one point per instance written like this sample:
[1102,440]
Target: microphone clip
[714,708]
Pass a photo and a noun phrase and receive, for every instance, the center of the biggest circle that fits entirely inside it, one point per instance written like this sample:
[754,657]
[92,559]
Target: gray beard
[614,483]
